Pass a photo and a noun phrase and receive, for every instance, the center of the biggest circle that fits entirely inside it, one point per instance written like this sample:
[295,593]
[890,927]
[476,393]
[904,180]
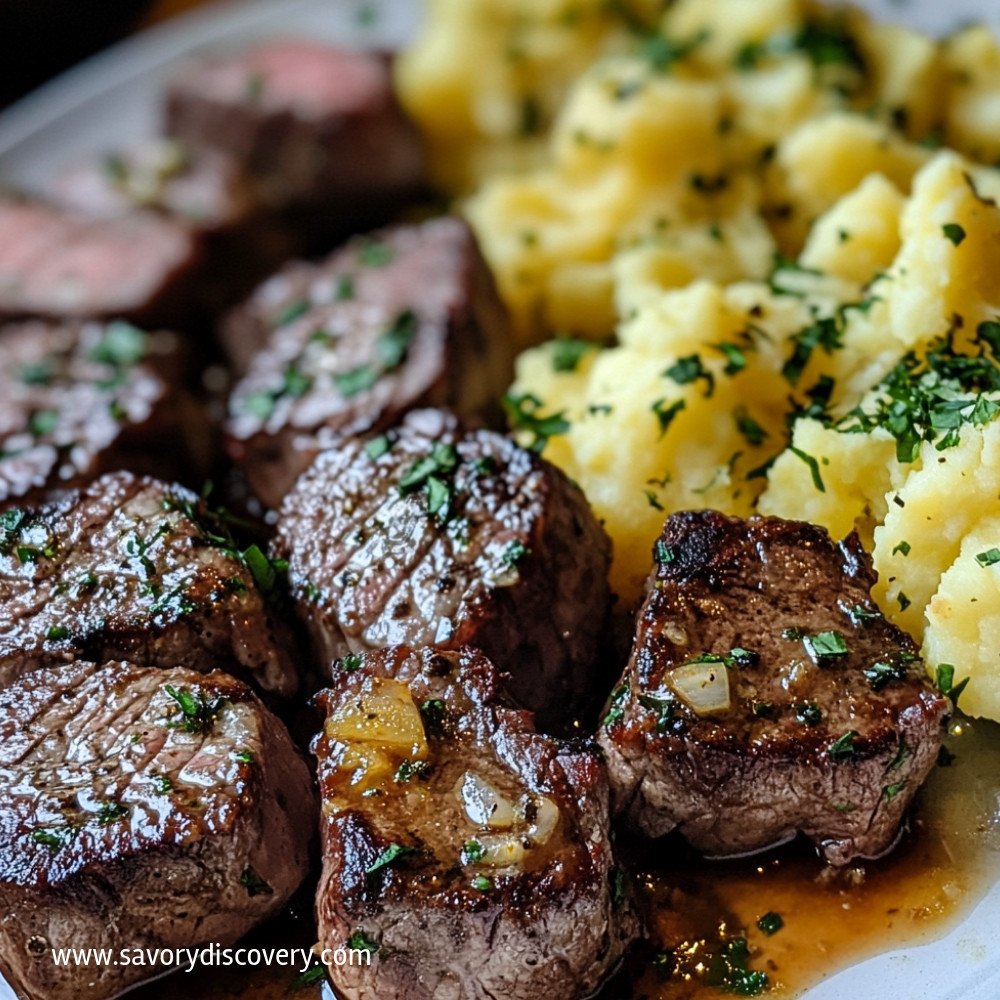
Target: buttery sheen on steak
[141,808]
[404,317]
[433,535]
[131,567]
[469,854]
[79,399]
[767,695]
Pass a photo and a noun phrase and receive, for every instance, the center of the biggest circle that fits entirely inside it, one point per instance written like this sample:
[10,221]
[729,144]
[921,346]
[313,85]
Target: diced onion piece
[483,804]
[542,815]
[501,850]
[385,716]
[703,686]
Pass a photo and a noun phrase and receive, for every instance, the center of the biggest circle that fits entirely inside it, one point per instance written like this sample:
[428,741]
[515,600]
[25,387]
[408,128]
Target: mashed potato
[767,246]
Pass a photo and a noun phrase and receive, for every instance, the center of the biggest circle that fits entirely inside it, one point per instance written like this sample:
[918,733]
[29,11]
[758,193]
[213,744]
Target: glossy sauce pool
[831,919]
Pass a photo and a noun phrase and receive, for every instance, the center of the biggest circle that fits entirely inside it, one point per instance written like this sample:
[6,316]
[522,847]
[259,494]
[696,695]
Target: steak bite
[437,536]
[468,853]
[64,265]
[77,400]
[767,695]
[205,190]
[132,568]
[406,317]
[309,122]
[142,808]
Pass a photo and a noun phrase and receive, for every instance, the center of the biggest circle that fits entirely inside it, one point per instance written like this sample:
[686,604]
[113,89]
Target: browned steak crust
[471,854]
[405,317]
[140,808]
[132,567]
[79,399]
[832,726]
[435,535]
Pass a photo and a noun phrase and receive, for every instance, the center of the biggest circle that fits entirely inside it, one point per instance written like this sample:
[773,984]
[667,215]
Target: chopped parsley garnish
[267,573]
[988,558]
[198,713]
[254,884]
[904,601]
[662,52]
[360,941]
[904,548]
[881,674]
[472,852]
[375,254]
[163,784]
[291,313]
[690,369]
[666,709]
[410,769]
[736,359]
[349,663]
[524,412]
[808,713]
[37,373]
[482,883]
[665,414]
[843,746]
[891,791]
[313,976]
[824,645]
[433,711]
[244,756]
[740,657]
[945,678]
[121,345]
[825,333]
[345,288]
[294,385]
[567,352]
[664,553]
[954,232]
[730,970]
[43,422]
[929,399]
[355,381]
[828,43]
[810,461]
[378,446]
[770,923]
[110,812]
[514,553]
[53,837]
[388,857]
[57,633]
[393,344]
[433,472]
[748,427]
[616,709]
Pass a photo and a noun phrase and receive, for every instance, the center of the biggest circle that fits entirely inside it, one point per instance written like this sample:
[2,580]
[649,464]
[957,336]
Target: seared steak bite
[77,400]
[309,122]
[64,265]
[470,854]
[206,190]
[766,695]
[405,317]
[434,535]
[142,808]
[133,568]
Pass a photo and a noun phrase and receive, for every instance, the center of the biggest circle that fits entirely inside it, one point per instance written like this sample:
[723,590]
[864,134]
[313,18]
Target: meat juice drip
[830,918]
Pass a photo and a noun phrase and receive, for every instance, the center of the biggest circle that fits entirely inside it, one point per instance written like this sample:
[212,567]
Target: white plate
[113,97]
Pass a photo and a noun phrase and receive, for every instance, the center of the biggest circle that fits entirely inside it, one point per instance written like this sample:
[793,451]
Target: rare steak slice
[468,854]
[309,122]
[79,399]
[141,808]
[767,695]
[438,535]
[62,264]
[404,317]
[131,567]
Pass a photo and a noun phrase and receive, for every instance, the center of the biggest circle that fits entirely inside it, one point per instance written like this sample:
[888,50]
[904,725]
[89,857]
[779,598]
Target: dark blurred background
[38,38]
